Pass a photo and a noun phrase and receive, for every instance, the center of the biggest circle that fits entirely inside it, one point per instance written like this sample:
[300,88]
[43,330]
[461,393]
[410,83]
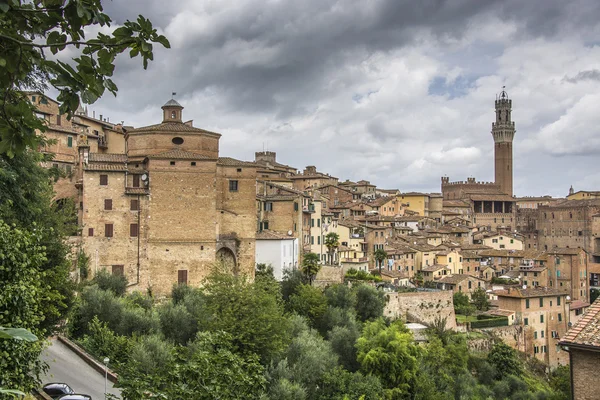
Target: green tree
[370,302]
[332,242]
[309,302]
[177,323]
[252,314]
[114,283]
[390,353]
[380,256]
[26,201]
[462,305]
[292,280]
[504,359]
[310,266]
[18,334]
[480,300]
[339,384]
[560,382]
[21,296]
[209,368]
[341,296]
[30,30]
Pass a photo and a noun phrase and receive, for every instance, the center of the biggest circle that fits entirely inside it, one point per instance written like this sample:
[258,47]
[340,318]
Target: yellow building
[414,201]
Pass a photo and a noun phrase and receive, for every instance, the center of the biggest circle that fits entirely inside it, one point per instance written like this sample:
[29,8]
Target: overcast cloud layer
[395,92]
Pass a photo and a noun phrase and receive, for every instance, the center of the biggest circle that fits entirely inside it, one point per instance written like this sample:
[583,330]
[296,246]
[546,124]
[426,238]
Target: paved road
[67,367]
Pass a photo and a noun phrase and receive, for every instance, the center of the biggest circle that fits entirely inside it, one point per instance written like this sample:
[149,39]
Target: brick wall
[584,368]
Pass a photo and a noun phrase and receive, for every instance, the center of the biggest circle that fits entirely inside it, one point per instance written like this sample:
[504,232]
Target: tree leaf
[17,334]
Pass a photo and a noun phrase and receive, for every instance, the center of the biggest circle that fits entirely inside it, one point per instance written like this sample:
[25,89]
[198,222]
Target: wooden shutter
[108,230]
[134,205]
[118,270]
[133,230]
[136,181]
[104,180]
[182,276]
[108,204]
[90,231]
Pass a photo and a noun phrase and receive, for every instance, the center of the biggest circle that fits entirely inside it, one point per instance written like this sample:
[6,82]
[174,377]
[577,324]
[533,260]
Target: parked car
[55,390]
[75,397]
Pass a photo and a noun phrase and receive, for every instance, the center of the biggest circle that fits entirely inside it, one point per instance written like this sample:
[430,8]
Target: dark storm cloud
[593,75]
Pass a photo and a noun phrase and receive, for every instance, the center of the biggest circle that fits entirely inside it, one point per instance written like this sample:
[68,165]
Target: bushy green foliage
[177,323]
[504,359]
[341,296]
[292,280]
[152,355]
[179,292]
[370,302]
[309,302]
[390,353]
[21,293]
[310,266]
[560,382]
[138,299]
[114,283]
[355,275]
[339,384]
[480,300]
[136,321]
[252,315]
[102,342]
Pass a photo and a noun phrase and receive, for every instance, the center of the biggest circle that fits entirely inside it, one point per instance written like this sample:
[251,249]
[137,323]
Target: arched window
[173,114]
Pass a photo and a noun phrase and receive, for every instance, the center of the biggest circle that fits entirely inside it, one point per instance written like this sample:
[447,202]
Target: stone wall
[584,367]
[422,307]
[329,276]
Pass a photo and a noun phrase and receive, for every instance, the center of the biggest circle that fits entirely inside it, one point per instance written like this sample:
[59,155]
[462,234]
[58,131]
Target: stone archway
[226,257]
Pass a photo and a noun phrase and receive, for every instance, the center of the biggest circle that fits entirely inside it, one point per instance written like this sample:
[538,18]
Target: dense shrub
[102,342]
[177,324]
[370,303]
[114,283]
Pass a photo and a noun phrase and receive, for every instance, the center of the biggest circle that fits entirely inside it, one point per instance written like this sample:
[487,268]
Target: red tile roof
[586,331]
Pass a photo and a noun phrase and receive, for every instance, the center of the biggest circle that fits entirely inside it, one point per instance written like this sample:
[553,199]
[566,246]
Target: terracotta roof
[105,167]
[500,312]
[232,162]
[455,279]
[180,155]
[62,128]
[586,331]
[172,103]
[178,127]
[394,274]
[273,235]
[578,304]
[564,251]
[530,292]
[455,203]
[435,267]
[107,157]
[136,190]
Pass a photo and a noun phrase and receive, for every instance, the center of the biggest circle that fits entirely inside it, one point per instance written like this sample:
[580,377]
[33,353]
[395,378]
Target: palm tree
[332,241]
[310,266]
[380,255]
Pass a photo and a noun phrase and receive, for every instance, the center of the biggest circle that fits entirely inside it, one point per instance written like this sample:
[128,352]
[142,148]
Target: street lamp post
[106,360]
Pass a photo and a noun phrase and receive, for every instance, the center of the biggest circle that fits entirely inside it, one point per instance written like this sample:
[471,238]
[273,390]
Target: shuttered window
[108,230]
[118,270]
[136,181]
[108,204]
[90,231]
[134,205]
[103,180]
[133,230]
[182,277]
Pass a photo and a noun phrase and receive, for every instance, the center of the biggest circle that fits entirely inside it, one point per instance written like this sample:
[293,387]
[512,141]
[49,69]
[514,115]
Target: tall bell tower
[503,131]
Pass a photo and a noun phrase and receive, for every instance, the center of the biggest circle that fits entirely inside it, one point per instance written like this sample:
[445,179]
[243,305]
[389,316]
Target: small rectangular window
[136,181]
[193,163]
[182,277]
[58,119]
[69,141]
[541,318]
[233,186]
[526,321]
[134,205]
[295,206]
[118,270]
[172,163]
[541,302]
[103,180]
[559,317]
[266,225]
[558,301]
[108,230]
[108,204]
[526,303]
[133,230]
[90,232]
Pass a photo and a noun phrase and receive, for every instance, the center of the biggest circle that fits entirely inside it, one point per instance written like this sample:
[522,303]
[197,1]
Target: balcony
[102,142]
[309,208]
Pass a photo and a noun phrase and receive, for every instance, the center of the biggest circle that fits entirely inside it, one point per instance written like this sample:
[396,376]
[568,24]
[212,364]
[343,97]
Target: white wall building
[278,250]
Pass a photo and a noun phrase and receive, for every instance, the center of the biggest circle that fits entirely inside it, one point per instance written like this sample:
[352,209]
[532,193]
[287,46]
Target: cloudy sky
[395,92]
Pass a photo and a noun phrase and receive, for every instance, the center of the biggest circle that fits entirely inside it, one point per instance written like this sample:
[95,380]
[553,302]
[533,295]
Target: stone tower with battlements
[503,131]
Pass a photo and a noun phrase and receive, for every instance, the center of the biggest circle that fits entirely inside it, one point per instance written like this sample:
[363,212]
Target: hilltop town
[159,205]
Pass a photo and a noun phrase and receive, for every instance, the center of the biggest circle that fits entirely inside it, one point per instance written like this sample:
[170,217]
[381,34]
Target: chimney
[94,114]
[100,117]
